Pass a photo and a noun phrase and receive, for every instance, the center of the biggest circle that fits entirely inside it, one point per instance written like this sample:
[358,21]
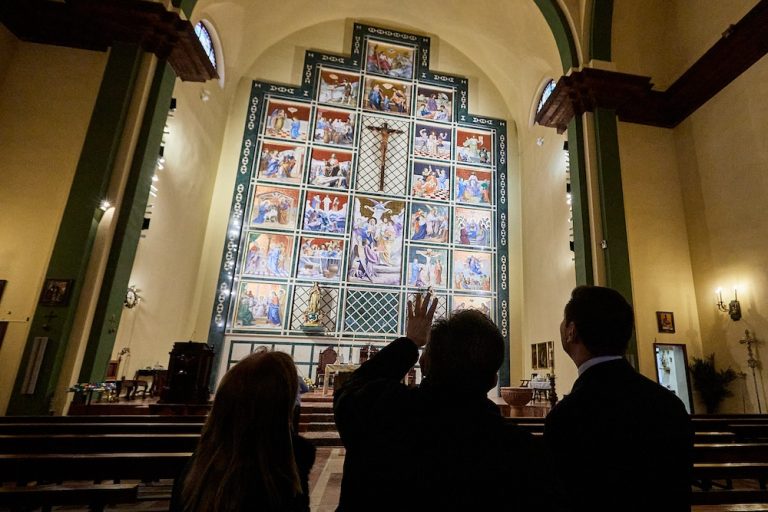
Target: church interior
[573,142]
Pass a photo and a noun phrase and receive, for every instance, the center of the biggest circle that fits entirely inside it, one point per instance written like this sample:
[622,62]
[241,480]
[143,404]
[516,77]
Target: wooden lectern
[189,371]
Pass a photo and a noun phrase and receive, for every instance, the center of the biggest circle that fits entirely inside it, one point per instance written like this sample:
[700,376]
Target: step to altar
[330,439]
[317,427]
[316,416]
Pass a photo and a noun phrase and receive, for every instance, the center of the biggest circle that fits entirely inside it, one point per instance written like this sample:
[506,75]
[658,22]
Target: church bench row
[125,418]
[706,472]
[731,452]
[730,496]
[743,429]
[100,428]
[699,437]
[754,431]
[723,419]
[705,450]
[92,467]
[96,496]
[741,507]
[97,443]
[99,467]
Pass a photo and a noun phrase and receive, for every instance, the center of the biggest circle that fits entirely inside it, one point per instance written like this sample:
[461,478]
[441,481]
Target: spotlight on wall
[733,308]
[105,205]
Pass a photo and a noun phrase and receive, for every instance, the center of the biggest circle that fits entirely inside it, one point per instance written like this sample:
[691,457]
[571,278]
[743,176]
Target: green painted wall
[612,208]
[600,33]
[579,204]
[128,230]
[557,21]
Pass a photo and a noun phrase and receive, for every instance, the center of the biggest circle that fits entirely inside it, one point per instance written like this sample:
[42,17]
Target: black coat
[620,441]
[427,447]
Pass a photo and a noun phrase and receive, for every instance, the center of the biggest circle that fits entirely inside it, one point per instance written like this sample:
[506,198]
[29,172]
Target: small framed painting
[665,321]
[541,355]
[389,59]
[338,87]
[56,292]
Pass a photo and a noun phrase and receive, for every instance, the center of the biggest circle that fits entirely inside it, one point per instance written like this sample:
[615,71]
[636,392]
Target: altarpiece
[372,180]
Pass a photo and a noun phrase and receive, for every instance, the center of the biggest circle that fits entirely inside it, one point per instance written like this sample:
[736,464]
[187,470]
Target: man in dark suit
[441,445]
[618,441]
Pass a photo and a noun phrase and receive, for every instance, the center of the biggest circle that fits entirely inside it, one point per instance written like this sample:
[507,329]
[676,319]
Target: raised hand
[420,313]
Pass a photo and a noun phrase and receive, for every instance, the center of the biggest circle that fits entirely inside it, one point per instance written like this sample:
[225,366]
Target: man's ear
[571,334]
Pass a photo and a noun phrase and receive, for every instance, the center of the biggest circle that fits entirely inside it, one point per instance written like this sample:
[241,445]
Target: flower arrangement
[93,386]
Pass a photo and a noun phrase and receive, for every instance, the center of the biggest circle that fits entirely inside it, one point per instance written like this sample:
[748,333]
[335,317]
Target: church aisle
[325,479]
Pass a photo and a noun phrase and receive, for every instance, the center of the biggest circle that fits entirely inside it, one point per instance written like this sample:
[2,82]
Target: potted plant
[711,383]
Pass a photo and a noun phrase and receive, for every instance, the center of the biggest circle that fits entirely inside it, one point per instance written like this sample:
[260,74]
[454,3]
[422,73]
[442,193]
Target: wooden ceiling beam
[97,24]
[633,97]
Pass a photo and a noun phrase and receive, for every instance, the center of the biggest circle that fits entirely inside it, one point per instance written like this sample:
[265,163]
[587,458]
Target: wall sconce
[733,308]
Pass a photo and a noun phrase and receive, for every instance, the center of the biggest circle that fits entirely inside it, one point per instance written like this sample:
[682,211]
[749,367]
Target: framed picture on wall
[672,371]
[541,354]
[665,321]
[56,292]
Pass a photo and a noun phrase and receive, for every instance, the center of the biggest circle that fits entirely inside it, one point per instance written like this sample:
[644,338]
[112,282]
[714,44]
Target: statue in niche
[312,315]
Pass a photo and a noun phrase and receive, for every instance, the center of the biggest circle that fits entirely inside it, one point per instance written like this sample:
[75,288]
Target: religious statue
[312,315]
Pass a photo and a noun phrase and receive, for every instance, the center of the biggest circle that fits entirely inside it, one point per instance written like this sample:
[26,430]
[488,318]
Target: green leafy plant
[711,383]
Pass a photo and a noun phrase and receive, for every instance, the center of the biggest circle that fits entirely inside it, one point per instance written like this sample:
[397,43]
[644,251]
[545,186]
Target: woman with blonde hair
[248,457]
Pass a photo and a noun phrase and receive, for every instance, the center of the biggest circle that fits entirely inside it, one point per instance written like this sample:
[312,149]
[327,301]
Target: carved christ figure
[385,131]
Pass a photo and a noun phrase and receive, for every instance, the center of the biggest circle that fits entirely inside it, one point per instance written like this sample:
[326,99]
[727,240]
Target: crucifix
[385,131]
[753,364]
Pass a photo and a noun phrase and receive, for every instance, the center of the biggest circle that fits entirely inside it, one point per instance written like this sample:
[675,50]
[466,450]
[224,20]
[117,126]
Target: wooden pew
[750,431]
[93,467]
[97,443]
[728,462]
[537,427]
[95,496]
[731,452]
[709,471]
[143,418]
[714,437]
[730,496]
[99,428]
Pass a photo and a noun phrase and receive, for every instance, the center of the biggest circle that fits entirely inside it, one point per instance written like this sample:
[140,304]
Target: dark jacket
[619,441]
[304,454]
[426,447]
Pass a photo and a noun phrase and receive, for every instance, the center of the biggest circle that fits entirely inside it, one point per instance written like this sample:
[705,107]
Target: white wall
[167,262]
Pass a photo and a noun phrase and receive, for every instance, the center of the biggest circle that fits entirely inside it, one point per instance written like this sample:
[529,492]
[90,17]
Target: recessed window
[545,94]
[205,39]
